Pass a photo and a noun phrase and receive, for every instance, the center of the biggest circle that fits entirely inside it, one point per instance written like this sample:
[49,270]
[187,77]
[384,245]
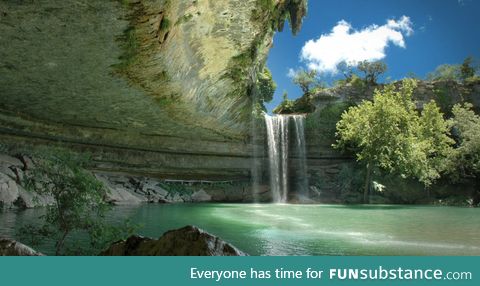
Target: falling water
[278,154]
[302,178]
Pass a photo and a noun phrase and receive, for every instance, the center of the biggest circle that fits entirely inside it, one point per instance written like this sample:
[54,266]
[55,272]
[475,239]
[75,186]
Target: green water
[270,229]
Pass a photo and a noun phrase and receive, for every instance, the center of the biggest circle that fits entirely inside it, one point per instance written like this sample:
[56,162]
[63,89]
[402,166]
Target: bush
[78,206]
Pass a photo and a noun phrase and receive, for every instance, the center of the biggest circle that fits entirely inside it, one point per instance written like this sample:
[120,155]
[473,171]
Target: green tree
[78,201]
[388,133]
[466,69]
[445,72]
[346,70]
[464,161]
[435,143]
[306,80]
[372,70]
[287,106]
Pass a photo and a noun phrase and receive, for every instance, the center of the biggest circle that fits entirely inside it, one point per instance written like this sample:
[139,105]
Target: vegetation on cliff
[389,133]
[280,11]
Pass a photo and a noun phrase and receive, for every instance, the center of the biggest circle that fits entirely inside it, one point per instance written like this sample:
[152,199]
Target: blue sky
[435,32]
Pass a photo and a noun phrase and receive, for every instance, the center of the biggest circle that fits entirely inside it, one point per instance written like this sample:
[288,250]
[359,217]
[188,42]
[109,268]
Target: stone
[13,195]
[9,247]
[122,196]
[8,191]
[28,199]
[200,196]
[150,86]
[218,195]
[186,241]
[10,161]
[119,189]
[175,198]
[7,171]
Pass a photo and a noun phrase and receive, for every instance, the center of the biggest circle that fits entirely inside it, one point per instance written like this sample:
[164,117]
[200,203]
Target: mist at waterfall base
[287,157]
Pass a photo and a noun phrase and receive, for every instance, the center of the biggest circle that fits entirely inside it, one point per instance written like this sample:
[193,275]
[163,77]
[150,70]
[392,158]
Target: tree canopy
[372,70]
[390,134]
[464,161]
[306,80]
[266,85]
[78,202]
[455,72]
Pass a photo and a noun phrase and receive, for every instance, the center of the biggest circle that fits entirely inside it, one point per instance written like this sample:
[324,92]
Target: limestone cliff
[149,86]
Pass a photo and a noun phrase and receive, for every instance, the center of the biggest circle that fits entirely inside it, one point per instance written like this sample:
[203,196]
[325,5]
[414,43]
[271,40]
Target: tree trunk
[367,184]
[60,243]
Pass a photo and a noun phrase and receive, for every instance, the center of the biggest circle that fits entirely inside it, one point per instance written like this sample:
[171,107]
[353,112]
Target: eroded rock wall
[152,87]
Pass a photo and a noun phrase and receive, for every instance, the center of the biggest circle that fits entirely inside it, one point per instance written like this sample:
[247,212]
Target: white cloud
[291,73]
[345,44]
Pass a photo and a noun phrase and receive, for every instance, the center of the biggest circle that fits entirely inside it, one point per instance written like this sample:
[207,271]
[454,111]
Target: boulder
[13,195]
[10,161]
[8,191]
[186,241]
[200,196]
[9,247]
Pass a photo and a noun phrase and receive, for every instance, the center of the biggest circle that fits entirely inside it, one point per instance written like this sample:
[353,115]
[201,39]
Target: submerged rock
[186,241]
[9,247]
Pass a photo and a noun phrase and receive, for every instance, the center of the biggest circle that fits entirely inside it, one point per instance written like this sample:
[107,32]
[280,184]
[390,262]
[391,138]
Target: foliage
[474,80]
[358,83]
[466,69]
[287,106]
[372,70]
[434,133]
[301,105]
[165,24]
[324,120]
[350,180]
[443,98]
[266,86]
[129,47]
[78,201]
[465,160]
[306,80]
[278,13]
[389,134]
[346,70]
[460,73]
[445,72]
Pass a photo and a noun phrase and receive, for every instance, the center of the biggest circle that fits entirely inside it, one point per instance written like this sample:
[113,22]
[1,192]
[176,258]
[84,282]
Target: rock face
[186,241]
[147,86]
[124,188]
[128,189]
[12,194]
[9,247]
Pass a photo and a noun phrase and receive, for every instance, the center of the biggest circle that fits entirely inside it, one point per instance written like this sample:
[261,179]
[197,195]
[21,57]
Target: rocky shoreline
[186,241]
[125,189]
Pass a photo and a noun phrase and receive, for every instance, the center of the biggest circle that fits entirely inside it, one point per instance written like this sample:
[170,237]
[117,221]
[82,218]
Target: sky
[410,36]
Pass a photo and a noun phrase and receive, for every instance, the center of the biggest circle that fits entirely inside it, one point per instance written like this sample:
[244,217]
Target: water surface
[275,229]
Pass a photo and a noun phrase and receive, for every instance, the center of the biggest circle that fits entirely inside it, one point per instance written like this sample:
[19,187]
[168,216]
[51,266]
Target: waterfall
[302,178]
[278,154]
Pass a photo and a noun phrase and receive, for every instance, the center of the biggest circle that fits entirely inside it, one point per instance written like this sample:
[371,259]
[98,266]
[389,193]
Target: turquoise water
[272,229]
